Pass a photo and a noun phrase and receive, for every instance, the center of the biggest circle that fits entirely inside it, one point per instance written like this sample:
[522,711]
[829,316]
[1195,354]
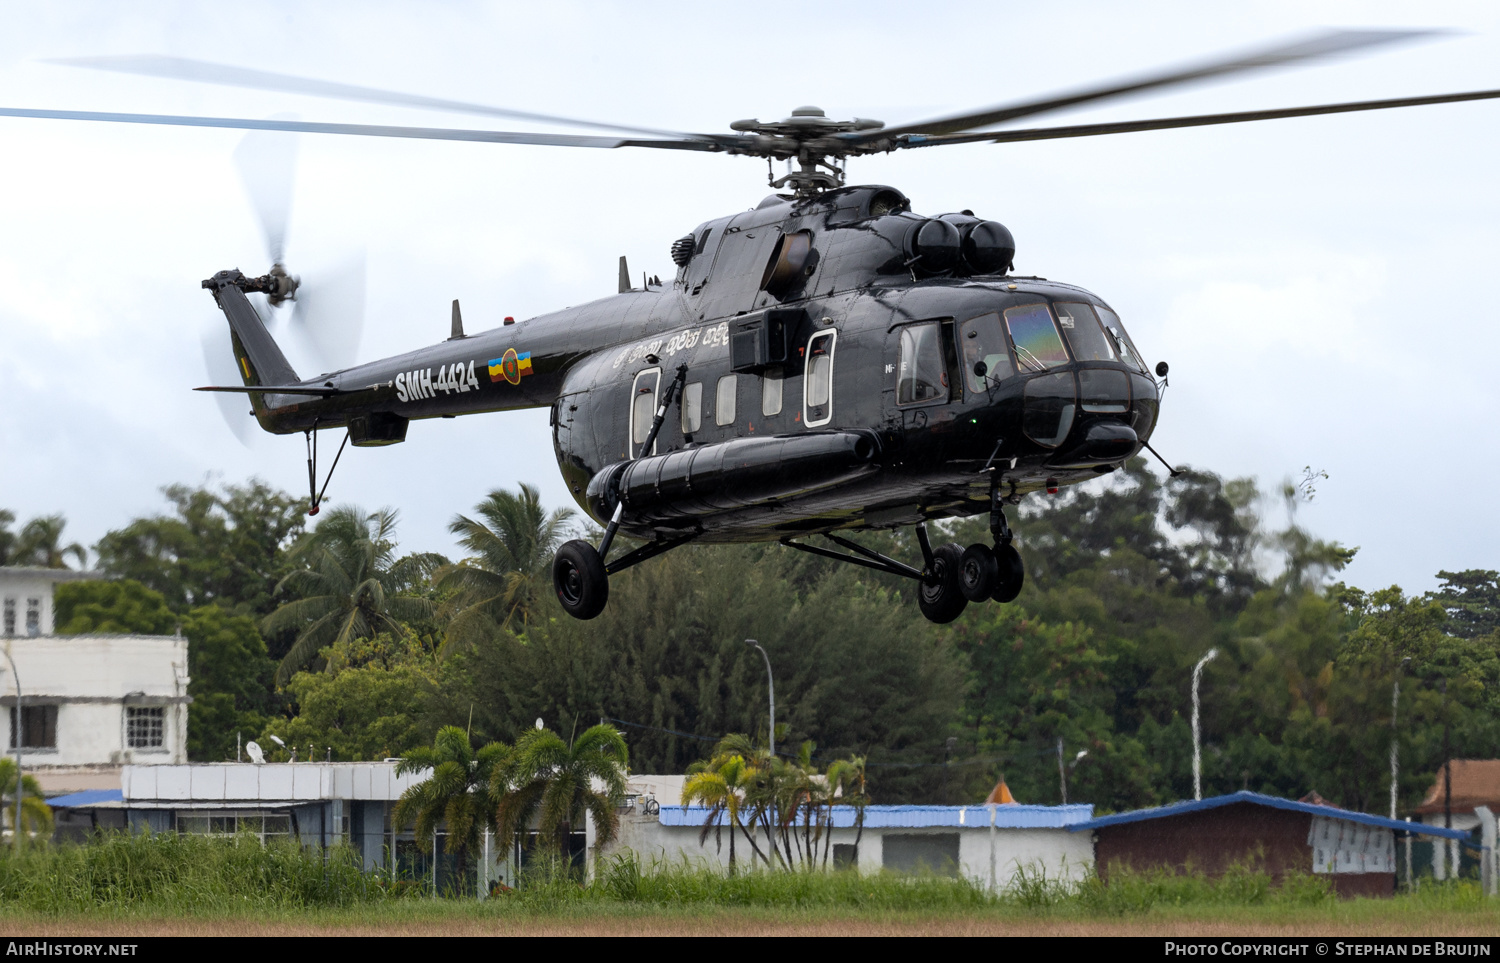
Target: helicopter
[825,363]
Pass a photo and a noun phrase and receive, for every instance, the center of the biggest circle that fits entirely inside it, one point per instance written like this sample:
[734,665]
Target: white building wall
[92,680]
[20,584]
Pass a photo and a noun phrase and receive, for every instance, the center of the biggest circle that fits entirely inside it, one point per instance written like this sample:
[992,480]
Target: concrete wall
[19,584]
[1056,852]
[92,679]
[213,782]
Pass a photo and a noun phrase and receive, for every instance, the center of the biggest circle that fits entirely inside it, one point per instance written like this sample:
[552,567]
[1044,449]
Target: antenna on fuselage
[458,323]
[625,287]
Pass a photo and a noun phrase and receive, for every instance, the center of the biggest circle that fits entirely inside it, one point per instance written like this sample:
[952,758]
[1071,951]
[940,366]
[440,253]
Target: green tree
[553,782]
[368,712]
[230,675]
[349,584]
[511,545]
[7,537]
[719,785]
[124,606]
[36,815]
[458,795]
[40,542]
[226,547]
[1472,600]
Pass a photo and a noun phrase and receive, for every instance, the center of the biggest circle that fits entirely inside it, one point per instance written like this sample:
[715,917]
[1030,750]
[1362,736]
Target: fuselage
[930,390]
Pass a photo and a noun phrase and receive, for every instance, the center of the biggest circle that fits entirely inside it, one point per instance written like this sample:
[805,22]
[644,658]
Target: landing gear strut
[580,575]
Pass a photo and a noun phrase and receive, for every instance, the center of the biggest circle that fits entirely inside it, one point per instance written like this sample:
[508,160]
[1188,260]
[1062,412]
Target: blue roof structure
[89,797]
[1274,802]
[1009,816]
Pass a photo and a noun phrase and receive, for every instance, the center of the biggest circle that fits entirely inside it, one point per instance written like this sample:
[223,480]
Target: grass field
[123,886]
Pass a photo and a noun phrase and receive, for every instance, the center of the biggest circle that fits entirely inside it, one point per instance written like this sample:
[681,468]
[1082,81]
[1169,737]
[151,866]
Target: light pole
[1062,771]
[1197,754]
[15,732]
[1395,698]
[771,689]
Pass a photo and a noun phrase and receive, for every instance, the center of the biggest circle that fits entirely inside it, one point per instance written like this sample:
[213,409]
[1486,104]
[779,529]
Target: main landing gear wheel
[580,580]
[943,600]
[1012,573]
[978,573]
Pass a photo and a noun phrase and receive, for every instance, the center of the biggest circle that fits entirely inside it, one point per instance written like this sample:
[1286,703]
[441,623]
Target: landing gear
[1011,573]
[979,573]
[580,580]
[941,597]
[579,573]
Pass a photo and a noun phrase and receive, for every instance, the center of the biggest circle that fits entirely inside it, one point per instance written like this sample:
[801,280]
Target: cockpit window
[923,376]
[1122,343]
[1081,327]
[1038,346]
[986,355]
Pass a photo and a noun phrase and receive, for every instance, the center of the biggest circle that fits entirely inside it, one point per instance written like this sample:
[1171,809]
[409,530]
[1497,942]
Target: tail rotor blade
[218,359]
[267,162]
[330,313]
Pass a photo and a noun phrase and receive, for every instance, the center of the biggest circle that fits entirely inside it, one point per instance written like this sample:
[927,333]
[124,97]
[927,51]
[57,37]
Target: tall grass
[171,872]
[183,875]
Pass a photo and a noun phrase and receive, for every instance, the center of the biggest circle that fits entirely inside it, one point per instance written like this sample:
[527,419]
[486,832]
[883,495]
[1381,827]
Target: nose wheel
[579,578]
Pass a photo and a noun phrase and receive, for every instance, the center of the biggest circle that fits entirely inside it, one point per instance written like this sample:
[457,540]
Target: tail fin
[256,353]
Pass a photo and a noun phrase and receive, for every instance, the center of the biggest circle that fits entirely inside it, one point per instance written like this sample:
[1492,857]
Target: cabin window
[724,401]
[921,375]
[1124,347]
[985,352]
[1081,327]
[642,408]
[1038,346]
[692,408]
[770,392]
[817,383]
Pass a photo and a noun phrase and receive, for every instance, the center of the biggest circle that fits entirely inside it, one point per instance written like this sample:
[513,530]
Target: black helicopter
[826,362]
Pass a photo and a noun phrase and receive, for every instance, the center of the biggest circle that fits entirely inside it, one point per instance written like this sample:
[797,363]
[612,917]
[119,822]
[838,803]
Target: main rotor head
[811,139]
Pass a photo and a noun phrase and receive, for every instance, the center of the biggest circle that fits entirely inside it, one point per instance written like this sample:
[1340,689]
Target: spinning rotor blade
[1310,48]
[1200,120]
[328,316]
[218,359]
[267,162]
[702,141]
[179,68]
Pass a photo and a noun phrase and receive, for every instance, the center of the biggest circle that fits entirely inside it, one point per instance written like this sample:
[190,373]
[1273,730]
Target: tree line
[332,639]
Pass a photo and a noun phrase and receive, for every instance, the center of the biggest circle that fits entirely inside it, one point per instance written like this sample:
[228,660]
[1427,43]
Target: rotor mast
[810,140]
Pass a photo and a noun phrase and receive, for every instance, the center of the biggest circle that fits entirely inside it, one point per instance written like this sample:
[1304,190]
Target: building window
[920,854]
[144,727]
[261,824]
[33,616]
[38,727]
[10,616]
[845,856]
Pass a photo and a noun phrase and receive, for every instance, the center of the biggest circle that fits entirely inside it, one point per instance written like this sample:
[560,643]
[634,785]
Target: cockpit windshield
[1081,326]
[1123,346]
[1038,346]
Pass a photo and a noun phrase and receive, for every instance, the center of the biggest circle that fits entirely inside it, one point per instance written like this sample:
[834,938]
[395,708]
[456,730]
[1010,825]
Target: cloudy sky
[1322,287]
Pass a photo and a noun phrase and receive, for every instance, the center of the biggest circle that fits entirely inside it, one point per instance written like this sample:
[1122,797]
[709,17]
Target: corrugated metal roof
[88,797]
[1274,802]
[922,817]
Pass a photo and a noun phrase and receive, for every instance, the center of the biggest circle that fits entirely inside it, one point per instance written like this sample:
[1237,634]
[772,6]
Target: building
[1472,806]
[986,843]
[1278,836]
[89,703]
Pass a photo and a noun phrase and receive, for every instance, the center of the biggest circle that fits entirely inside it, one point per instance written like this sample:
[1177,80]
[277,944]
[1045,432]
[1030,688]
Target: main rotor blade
[180,68]
[366,130]
[1200,120]
[1316,46]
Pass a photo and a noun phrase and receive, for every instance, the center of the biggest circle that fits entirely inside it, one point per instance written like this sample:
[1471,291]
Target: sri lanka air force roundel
[510,366]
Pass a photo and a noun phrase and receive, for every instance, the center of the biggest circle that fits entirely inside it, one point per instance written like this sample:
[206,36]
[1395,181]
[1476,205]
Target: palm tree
[511,545]
[40,543]
[846,784]
[552,782]
[350,586]
[36,815]
[458,794]
[719,784]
